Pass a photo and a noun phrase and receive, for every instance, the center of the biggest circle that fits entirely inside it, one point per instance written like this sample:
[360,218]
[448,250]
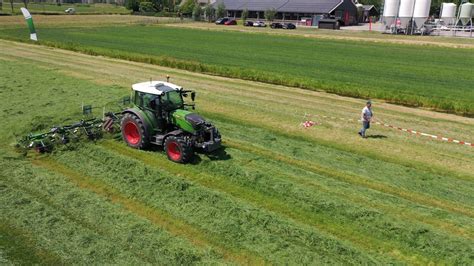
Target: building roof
[253,5]
[155,87]
[295,6]
[368,7]
[311,6]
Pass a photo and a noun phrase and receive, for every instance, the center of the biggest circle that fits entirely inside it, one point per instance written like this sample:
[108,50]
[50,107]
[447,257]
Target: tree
[25,2]
[209,12]
[220,10]
[245,15]
[157,5]
[270,14]
[11,4]
[133,5]
[187,7]
[197,12]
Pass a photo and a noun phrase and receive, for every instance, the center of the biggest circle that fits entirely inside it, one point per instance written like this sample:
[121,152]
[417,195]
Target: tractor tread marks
[144,141]
[184,152]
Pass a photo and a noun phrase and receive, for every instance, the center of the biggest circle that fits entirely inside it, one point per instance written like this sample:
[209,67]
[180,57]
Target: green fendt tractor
[159,116]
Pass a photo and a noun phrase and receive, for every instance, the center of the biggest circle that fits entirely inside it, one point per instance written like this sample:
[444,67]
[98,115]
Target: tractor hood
[187,120]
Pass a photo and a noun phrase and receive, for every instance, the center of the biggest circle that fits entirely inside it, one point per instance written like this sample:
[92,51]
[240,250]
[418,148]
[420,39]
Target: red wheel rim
[173,151]
[131,133]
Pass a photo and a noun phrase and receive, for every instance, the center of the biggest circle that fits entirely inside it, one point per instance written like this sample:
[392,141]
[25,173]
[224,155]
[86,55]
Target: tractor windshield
[172,100]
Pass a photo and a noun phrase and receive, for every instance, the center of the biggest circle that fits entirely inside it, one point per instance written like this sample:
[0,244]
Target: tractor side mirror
[193,96]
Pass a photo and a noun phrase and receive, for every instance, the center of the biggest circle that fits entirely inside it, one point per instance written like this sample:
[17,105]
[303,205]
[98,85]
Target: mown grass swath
[276,194]
[421,76]
[54,9]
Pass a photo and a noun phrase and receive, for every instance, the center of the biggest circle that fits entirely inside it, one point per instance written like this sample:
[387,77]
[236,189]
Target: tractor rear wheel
[133,132]
[178,150]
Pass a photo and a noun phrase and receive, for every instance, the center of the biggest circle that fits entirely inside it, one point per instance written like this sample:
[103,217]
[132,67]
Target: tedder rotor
[157,116]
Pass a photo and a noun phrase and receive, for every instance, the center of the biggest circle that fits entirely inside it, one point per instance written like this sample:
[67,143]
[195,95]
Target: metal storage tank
[421,12]
[405,12]
[390,11]
[465,14]
[448,13]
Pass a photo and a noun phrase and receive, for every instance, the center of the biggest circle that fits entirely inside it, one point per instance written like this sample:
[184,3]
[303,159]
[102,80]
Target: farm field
[277,193]
[368,36]
[84,21]
[431,77]
[47,8]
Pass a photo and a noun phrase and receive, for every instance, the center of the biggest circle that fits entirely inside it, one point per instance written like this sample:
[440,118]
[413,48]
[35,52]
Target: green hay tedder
[158,115]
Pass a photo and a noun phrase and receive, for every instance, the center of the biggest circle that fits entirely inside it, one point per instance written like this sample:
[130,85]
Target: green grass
[276,193]
[48,8]
[431,77]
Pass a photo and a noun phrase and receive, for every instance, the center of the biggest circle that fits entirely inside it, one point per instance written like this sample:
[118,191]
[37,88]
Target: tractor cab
[159,96]
[161,102]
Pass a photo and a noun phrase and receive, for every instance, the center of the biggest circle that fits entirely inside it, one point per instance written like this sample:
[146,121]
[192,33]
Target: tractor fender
[148,130]
[176,132]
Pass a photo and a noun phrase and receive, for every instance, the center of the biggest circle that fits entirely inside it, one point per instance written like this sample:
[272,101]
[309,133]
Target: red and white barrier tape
[307,125]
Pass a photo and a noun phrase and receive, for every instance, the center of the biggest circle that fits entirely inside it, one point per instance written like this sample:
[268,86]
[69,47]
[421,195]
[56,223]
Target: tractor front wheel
[133,131]
[178,150]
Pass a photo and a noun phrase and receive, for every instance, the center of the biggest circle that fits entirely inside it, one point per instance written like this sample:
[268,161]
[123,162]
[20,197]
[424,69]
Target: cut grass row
[50,9]
[276,195]
[410,75]
[71,223]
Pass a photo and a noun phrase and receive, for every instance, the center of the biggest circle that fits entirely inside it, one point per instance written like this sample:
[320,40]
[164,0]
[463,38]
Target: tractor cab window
[146,100]
[172,100]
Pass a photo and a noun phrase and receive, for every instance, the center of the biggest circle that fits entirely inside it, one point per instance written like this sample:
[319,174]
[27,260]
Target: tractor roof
[155,87]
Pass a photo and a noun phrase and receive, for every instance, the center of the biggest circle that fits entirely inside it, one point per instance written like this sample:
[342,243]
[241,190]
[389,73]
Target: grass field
[47,8]
[351,35]
[414,75]
[277,193]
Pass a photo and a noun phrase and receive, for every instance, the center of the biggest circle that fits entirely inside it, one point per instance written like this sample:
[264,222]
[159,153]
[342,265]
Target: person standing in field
[366,117]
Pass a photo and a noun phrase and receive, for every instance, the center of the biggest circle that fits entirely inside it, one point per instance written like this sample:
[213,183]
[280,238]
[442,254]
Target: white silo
[390,12]
[421,12]
[448,13]
[465,14]
[405,12]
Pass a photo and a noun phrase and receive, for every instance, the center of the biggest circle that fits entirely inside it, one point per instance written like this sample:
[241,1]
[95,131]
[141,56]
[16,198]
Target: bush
[197,13]
[147,7]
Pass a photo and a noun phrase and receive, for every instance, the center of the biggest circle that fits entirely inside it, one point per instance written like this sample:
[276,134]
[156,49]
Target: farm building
[370,11]
[343,10]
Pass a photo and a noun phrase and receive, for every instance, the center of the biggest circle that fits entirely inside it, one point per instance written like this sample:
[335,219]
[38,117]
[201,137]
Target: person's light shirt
[366,114]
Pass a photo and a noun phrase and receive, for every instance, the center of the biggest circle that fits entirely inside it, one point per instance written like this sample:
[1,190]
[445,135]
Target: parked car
[248,23]
[70,11]
[289,26]
[259,23]
[222,21]
[230,22]
[276,25]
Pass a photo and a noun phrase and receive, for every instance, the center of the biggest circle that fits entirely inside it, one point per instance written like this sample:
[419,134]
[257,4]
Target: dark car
[231,22]
[276,25]
[248,23]
[222,21]
[289,26]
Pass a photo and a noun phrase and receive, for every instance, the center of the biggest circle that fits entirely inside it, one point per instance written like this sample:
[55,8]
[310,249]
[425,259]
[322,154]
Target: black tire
[133,131]
[178,150]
